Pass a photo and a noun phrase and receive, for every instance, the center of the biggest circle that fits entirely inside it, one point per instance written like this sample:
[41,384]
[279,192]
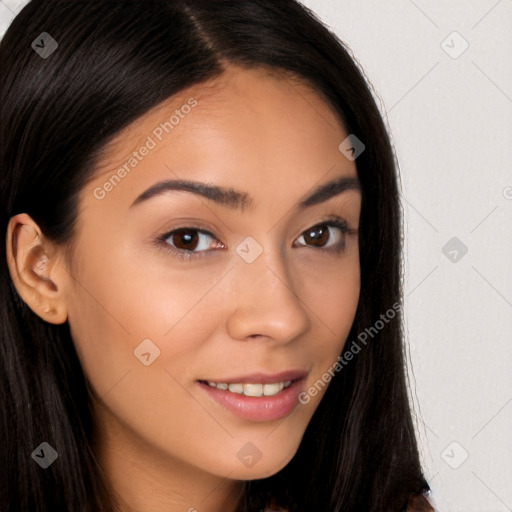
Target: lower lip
[253,408]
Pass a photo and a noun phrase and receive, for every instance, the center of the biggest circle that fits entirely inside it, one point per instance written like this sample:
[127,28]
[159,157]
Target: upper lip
[263,378]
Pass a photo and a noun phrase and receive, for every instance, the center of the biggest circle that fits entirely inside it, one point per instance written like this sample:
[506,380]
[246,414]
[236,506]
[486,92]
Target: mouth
[257,384]
[257,397]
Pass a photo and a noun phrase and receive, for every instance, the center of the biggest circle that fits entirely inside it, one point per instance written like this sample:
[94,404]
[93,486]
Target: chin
[263,468]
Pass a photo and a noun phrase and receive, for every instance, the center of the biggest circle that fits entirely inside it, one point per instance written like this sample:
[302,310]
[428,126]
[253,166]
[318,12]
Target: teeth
[272,389]
[236,388]
[257,390]
[251,389]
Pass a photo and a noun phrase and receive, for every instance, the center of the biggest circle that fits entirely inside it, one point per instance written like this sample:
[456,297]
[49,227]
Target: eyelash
[332,221]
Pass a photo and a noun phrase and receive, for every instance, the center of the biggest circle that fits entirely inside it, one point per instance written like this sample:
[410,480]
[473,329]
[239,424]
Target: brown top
[416,503]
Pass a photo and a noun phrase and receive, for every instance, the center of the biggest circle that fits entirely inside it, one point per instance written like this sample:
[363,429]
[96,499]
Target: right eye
[184,242]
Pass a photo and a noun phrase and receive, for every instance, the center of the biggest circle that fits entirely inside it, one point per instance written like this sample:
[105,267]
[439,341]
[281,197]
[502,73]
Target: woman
[201,295]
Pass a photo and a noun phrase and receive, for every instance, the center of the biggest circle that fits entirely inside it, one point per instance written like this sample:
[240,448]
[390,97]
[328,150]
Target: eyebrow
[235,199]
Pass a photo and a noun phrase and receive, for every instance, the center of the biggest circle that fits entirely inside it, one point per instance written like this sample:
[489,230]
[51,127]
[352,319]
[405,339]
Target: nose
[266,303]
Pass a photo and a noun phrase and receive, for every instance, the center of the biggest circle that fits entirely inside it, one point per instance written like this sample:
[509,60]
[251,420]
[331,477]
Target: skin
[163,444]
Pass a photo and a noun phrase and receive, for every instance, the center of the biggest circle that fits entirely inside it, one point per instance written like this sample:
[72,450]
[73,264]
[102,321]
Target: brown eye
[321,235]
[189,241]
[318,235]
[186,239]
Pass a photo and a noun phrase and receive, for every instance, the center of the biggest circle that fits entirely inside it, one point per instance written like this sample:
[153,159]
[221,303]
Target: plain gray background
[442,75]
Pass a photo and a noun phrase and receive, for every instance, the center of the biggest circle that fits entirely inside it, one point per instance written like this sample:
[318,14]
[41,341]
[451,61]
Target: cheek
[339,298]
[120,300]
[331,290]
[333,303]
[127,306]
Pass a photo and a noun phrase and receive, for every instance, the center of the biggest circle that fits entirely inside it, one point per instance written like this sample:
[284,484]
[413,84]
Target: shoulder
[419,503]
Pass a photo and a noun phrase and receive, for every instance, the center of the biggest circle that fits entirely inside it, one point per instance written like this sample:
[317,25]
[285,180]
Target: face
[171,288]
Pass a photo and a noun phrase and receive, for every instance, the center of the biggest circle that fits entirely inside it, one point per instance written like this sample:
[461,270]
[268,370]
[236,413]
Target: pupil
[319,234]
[184,235]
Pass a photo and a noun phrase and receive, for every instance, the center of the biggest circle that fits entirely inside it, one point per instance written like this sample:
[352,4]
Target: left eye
[186,242]
[319,235]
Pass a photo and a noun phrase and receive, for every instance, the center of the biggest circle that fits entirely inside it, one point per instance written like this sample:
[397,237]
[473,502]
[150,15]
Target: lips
[266,403]
[258,408]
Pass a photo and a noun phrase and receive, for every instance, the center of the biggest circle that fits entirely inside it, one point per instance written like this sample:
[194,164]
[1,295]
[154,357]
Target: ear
[37,269]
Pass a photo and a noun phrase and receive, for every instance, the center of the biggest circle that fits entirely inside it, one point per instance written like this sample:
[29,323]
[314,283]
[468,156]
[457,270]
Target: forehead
[231,102]
[256,130]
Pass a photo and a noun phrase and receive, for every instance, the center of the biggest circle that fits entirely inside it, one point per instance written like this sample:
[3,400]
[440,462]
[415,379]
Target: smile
[249,389]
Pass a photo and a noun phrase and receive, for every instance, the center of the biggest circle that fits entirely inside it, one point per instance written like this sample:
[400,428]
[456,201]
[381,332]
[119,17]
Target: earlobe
[36,268]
